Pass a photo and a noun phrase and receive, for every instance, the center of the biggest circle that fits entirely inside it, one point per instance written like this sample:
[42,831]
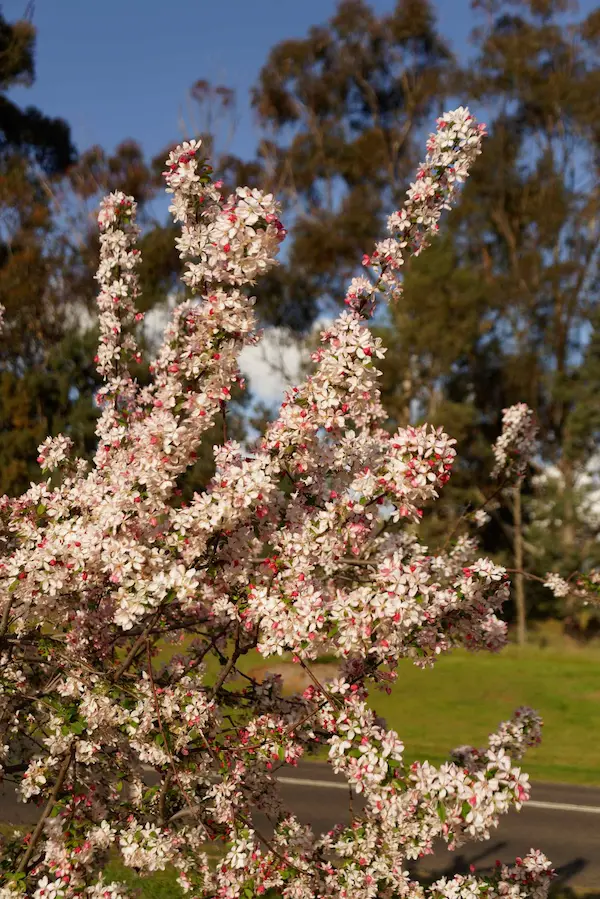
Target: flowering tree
[294,547]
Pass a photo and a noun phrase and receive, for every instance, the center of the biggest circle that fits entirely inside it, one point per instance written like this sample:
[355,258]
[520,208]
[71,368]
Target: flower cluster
[124,710]
[558,585]
[54,451]
[584,587]
[480,518]
[117,277]
[530,877]
[450,153]
[517,444]
[225,242]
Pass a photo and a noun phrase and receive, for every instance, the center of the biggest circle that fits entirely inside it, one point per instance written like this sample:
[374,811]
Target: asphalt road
[561,820]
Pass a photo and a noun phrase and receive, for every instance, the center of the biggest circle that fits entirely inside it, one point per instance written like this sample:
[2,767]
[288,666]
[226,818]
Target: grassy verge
[160,885]
[163,885]
[464,697]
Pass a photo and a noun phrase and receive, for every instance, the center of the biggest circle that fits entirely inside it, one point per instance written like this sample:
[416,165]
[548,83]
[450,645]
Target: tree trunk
[407,392]
[519,582]
[568,508]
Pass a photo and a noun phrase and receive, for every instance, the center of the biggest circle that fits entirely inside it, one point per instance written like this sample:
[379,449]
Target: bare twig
[468,511]
[47,810]
[162,802]
[225,671]
[162,730]
[224,416]
[5,616]
[332,699]
[137,646]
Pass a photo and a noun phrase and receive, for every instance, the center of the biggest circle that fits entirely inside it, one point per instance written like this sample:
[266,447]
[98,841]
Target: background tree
[501,309]
[48,256]
[512,295]
[340,109]
[34,151]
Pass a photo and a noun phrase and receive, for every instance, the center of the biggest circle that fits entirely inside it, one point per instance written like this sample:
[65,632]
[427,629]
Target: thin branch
[225,671]
[363,563]
[47,810]
[161,727]
[332,699]
[139,643]
[5,616]
[486,500]
[162,802]
[507,530]
[223,406]
[277,854]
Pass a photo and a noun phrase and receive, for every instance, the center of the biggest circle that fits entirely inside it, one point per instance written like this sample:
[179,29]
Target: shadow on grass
[163,885]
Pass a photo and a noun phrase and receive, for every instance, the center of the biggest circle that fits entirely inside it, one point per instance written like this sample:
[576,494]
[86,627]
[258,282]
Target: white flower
[558,585]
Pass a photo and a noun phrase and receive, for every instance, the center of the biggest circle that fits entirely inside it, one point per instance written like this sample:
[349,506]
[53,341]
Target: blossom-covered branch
[451,151]
[517,444]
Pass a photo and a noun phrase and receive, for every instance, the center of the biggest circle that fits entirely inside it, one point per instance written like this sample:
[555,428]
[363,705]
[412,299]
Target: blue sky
[123,68]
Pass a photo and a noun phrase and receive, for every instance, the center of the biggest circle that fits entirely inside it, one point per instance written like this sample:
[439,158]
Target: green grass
[160,885]
[163,885]
[464,697]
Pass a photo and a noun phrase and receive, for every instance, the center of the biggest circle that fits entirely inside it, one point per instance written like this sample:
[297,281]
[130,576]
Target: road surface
[561,820]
